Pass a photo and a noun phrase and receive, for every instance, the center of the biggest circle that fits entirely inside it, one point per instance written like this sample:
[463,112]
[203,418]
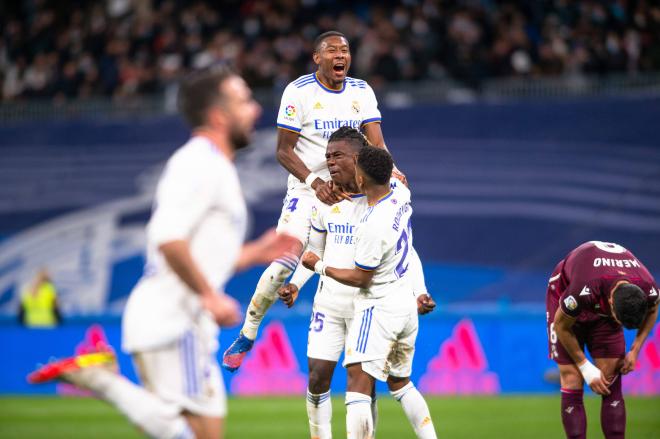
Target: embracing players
[333,234]
[381,338]
[312,108]
[596,289]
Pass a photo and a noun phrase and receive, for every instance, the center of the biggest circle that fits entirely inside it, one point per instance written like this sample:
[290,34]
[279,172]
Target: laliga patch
[290,111]
[570,303]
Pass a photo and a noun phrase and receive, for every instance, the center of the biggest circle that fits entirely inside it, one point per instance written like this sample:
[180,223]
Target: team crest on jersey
[318,106]
[290,111]
[335,210]
[355,106]
[315,212]
[570,303]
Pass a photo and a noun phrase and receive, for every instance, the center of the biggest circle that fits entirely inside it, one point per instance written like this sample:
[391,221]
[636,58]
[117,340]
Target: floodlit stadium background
[525,129]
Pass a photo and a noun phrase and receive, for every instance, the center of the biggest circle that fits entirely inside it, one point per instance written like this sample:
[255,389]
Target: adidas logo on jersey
[318,106]
[335,210]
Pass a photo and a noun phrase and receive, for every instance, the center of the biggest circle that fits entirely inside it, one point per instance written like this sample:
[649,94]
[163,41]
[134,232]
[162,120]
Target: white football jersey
[315,112]
[199,200]
[339,222]
[384,245]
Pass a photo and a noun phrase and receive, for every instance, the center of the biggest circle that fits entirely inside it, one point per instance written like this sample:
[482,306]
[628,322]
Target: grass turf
[535,417]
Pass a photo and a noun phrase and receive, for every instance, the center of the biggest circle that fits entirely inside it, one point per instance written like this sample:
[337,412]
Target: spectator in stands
[39,308]
[69,50]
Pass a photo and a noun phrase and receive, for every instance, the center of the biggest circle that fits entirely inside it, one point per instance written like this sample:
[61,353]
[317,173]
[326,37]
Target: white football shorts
[296,213]
[185,373]
[384,342]
[327,334]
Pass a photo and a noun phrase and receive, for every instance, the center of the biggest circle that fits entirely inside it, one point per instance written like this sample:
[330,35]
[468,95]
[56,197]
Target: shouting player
[595,290]
[381,337]
[312,108]
[333,235]
[194,244]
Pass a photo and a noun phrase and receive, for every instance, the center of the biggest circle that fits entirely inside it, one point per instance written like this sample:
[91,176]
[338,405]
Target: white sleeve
[183,196]
[371,112]
[290,115]
[301,276]
[416,272]
[316,244]
[369,248]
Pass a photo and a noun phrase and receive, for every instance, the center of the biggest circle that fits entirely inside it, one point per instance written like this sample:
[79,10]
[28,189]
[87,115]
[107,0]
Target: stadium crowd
[76,49]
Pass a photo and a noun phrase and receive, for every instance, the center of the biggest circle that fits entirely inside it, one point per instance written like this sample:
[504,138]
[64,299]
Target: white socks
[265,294]
[374,412]
[319,412]
[151,414]
[416,411]
[359,422]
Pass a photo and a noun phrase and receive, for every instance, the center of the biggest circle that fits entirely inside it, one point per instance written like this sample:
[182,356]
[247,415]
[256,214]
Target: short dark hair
[630,305]
[199,91]
[376,163]
[324,35]
[355,138]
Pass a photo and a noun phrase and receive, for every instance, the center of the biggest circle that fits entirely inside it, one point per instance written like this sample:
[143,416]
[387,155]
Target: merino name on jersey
[591,271]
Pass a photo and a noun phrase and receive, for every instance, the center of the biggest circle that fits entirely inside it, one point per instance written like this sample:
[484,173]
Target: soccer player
[381,338]
[596,289]
[333,235]
[312,108]
[194,244]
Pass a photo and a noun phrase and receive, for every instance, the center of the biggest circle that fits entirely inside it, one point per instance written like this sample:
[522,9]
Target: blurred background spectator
[39,307]
[78,49]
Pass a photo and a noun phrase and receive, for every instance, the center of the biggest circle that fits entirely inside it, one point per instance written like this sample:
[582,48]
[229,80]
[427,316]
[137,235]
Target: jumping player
[312,108]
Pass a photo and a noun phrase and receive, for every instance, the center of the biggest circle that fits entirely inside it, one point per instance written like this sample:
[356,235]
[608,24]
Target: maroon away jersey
[590,271]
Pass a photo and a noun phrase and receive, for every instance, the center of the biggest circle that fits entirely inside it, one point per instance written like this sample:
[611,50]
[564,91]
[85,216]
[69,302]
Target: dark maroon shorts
[603,337]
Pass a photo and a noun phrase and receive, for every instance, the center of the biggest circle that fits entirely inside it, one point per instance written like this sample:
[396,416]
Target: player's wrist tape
[310,179]
[319,267]
[589,371]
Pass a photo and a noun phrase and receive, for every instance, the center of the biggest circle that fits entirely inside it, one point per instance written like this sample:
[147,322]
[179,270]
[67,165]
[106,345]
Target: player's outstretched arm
[591,374]
[425,303]
[643,332]
[269,246]
[353,277]
[225,310]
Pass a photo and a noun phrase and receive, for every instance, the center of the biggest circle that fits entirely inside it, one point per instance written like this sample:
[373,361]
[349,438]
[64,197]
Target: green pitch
[535,417]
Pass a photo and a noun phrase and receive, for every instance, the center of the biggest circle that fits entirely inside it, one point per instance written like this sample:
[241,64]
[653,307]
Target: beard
[239,138]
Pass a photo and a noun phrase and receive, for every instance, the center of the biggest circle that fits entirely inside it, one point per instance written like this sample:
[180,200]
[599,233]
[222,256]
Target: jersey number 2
[403,243]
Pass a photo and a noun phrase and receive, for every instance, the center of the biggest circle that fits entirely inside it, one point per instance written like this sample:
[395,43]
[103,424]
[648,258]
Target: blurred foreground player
[598,288]
[195,243]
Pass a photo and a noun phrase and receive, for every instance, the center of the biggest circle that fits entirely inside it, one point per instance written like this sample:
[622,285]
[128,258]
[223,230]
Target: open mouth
[339,68]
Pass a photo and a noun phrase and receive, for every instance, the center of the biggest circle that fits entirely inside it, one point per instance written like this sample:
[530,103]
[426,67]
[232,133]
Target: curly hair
[355,138]
[376,163]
